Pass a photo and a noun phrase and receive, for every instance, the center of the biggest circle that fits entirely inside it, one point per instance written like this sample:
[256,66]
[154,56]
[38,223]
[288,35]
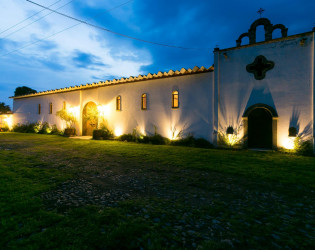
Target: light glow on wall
[118,131]
[289,143]
[75,111]
[231,136]
[232,139]
[104,110]
[174,133]
[142,131]
[9,121]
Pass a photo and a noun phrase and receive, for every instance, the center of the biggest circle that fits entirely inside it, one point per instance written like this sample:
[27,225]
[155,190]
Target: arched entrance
[89,118]
[259,129]
[260,126]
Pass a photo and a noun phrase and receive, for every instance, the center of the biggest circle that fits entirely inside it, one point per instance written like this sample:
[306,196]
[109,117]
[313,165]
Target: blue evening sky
[44,52]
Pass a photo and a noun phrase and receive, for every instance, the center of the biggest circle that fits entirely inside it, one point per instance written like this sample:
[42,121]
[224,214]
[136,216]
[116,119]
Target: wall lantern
[230,130]
[303,41]
[292,132]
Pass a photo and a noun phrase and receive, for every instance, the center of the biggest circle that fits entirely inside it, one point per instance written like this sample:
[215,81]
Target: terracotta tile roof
[149,76]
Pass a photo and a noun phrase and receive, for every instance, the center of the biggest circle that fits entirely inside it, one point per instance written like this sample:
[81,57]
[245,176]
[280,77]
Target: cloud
[82,53]
[52,65]
[86,60]
[47,45]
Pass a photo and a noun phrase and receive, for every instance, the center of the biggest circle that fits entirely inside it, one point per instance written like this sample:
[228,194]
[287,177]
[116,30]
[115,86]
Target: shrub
[100,134]
[24,128]
[97,134]
[190,141]
[55,130]
[136,136]
[158,139]
[69,132]
[145,139]
[104,133]
[42,128]
[107,133]
[203,143]
[230,141]
[39,128]
[127,137]
[4,129]
[304,147]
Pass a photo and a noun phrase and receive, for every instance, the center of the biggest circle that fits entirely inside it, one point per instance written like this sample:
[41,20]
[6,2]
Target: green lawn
[57,192]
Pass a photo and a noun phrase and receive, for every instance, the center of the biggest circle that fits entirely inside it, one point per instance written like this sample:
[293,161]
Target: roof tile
[160,74]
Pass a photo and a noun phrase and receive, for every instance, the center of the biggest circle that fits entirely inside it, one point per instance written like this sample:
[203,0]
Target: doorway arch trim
[270,109]
[87,127]
[274,116]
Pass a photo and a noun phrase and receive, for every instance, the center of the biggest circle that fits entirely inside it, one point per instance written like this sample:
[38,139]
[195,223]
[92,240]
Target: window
[175,102]
[144,101]
[50,108]
[39,109]
[64,105]
[118,102]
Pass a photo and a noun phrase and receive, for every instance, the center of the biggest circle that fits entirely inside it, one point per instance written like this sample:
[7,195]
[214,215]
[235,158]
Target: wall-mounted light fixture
[292,132]
[230,130]
[302,41]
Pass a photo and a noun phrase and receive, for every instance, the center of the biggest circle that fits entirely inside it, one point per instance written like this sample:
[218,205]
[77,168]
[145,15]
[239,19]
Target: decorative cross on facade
[259,67]
[260,11]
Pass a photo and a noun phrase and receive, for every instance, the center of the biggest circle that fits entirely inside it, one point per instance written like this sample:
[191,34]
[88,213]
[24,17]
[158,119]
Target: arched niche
[267,119]
[89,118]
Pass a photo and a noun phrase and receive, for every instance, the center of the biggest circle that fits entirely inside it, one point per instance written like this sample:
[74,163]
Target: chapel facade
[262,92]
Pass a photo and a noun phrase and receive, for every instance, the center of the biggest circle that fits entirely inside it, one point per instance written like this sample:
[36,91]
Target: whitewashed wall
[26,109]
[194,114]
[288,87]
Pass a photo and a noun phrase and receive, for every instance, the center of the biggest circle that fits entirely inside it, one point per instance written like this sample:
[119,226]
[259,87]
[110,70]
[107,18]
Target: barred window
[64,105]
[50,108]
[175,100]
[144,101]
[118,102]
[39,109]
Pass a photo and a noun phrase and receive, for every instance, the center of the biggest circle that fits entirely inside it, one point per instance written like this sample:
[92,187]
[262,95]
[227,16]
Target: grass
[178,197]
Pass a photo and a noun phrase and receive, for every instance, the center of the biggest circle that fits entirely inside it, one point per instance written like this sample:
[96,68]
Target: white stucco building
[259,89]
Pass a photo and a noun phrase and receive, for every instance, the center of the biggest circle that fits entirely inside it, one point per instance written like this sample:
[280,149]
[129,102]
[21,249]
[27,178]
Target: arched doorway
[89,118]
[259,129]
[260,126]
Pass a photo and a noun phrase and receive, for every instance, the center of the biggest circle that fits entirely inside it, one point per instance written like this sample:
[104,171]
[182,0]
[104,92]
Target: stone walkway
[85,137]
[187,203]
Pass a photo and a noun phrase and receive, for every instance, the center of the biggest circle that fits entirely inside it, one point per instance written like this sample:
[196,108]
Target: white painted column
[81,110]
[313,90]
[215,98]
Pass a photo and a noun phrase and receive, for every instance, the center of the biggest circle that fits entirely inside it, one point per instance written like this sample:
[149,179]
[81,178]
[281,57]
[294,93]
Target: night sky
[44,52]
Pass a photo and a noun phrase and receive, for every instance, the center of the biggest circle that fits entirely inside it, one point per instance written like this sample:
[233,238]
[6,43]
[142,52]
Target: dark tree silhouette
[4,108]
[24,91]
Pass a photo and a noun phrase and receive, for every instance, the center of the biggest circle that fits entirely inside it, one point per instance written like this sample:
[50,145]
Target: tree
[24,91]
[4,108]
[68,117]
